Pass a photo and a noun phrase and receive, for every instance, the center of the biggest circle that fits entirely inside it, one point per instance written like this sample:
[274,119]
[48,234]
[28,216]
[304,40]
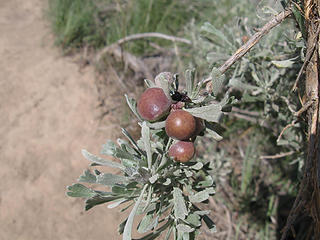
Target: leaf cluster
[166,193]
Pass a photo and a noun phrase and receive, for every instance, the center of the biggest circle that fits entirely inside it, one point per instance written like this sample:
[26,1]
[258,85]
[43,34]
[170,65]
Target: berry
[153,104]
[180,125]
[182,151]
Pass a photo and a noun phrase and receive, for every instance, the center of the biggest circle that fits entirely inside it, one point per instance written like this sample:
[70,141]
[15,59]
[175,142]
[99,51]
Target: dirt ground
[48,114]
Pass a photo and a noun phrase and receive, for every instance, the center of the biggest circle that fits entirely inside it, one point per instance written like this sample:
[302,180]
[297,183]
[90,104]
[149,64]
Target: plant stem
[250,43]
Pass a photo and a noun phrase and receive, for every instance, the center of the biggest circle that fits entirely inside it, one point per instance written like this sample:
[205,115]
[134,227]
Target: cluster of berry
[154,105]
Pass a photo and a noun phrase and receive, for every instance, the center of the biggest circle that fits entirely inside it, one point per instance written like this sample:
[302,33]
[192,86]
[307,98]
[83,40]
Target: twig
[252,41]
[280,155]
[285,128]
[303,109]
[130,60]
[306,61]
[140,36]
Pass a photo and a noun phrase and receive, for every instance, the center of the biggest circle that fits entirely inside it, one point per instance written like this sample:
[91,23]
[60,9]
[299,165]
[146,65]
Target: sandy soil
[48,114]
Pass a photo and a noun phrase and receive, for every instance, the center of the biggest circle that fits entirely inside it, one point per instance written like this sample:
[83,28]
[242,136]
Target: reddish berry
[180,125]
[182,151]
[153,104]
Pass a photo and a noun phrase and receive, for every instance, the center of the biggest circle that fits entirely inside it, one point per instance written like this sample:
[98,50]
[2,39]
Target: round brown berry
[182,151]
[153,104]
[180,125]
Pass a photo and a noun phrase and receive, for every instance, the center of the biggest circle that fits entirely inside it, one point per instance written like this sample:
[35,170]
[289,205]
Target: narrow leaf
[148,223]
[214,134]
[201,196]
[109,179]
[149,83]
[156,125]
[190,75]
[79,190]
[217,81]
[163,80]
[197,166]
[117,203]
[211,113]
[128,226]
[100,160]
[194,220]
[145,132]
[283,64]
[220,37]
[133,106]
[180,209]
[154,178]
[97,200]
[157,232]
[184,228]
[87,177]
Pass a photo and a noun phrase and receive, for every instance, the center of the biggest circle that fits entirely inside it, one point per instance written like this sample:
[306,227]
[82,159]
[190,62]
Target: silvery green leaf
[117,203]
[194,220]
[201,196]
[217,81]
[207,182]
[236,83]
[143,207]
[177,173]
[156,233]
[197,166]
[154,178]
[87,177]
[199,99]
[128,226]
[202,213]
[248,98]
[100,160]
[188,173]
[148,198]
[109,179]
[167,182]
[190,76]
[144,224]
[133,106]
[148,223]
[210,113]
[214,134]
[145,132]
[97,200]
[128,163]
[185,228]
[163,80]
[167,237]
[149,83]
[132,141]
[180,209]
[220,37]
[300,20]
[156,125]
[79,190]
[284,63]
[111,149]
[185,236]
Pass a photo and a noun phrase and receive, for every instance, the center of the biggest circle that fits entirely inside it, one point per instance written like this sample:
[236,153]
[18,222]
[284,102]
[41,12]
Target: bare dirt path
[48,114]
